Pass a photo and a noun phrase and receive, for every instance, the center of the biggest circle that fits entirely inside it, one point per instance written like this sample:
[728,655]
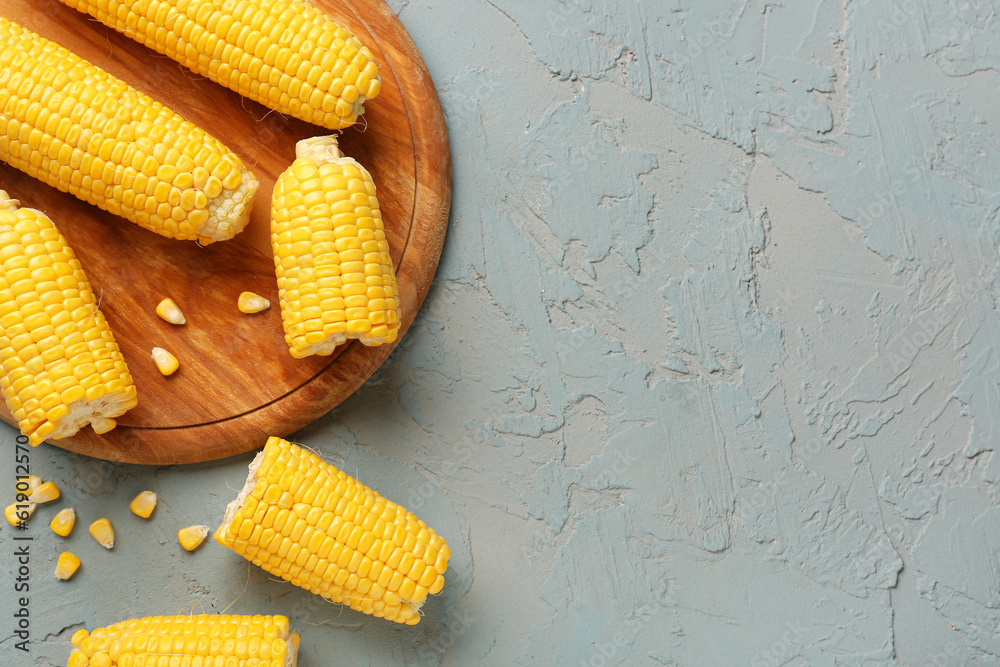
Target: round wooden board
[237,382]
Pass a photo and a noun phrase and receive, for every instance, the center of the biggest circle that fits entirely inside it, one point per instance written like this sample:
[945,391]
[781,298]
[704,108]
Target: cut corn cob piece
[335,276]
[61,366]
[15,513]
[168,310]
[252,303]
[46,492]
[201,640]
[77,128]
[303,520]
[66,565]
[102,531]
[62,523]
[192,537]
[143,504]
[284,54]
[165,362]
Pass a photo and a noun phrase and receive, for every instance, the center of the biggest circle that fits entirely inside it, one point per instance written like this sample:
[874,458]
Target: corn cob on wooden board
[237,383]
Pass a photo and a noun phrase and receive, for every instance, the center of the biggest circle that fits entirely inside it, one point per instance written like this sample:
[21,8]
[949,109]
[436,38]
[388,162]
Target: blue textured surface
[709,373]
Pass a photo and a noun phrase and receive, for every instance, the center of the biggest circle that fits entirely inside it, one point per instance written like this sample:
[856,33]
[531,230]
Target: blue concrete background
[709,372]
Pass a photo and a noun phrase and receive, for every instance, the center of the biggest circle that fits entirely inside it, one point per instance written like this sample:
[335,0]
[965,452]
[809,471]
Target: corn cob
[335,276]
[62,368]
[81,130]
[203,640]
[284,54]
[303,520]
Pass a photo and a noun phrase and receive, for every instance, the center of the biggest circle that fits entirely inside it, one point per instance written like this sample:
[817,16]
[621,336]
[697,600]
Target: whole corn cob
[61,366]
[77,128]
[284,54]
[303,520]
[203,640]
[335,276]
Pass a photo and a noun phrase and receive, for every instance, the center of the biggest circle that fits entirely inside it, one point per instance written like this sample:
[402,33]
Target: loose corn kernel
[335,276]
[165,362]
[53,101]
[27,485]
[143,504]
[62,523]
[102,531]
[252,303]
[45,493]
[60,367]
[18,512]
[66,565]
[303,520]
[192,536]
[284,54]
[168,310]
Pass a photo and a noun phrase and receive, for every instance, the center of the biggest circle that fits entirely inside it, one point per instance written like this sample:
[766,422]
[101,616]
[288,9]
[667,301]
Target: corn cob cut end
[229,213]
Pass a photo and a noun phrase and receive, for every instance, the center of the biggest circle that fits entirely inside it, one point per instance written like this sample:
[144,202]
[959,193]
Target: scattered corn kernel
[169,311]
[44,493]
[27,485]
[252,303]
[143,504]
[66,566]
[17,512]
[192,536]
[103,533]
[165,362]
[63,522]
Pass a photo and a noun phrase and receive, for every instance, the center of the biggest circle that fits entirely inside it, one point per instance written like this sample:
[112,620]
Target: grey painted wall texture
[709,374]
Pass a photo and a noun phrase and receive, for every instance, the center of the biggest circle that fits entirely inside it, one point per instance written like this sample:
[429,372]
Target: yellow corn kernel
[143,504]
[165,362]
[45,493]
[334,284]
[102,531]
[66,566]
[27,485]
[284,54]
[18,512]
[168,310]
[303,520]
[62,523]
[252,303]
[192,536]
[115,144]
[197,640]
[51,386]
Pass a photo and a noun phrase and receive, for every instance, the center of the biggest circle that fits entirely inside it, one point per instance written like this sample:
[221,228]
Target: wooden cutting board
[237,383]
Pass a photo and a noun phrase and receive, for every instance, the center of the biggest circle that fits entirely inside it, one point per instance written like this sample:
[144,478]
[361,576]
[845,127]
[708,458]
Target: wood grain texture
[237,382]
